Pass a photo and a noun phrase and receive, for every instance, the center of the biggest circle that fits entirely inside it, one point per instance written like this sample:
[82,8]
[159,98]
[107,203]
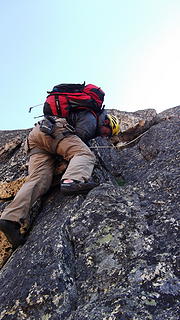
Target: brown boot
[76,187]
[11,229]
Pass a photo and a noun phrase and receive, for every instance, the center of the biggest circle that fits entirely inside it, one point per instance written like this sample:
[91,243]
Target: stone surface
[131,120]
[133,125]
[112,254]
[168,114]
[9,189]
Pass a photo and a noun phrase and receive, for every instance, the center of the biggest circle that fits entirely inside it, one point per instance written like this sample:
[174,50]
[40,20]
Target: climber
[50,137]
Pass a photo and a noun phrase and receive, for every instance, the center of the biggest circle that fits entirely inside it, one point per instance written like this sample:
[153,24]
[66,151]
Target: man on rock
[57,135]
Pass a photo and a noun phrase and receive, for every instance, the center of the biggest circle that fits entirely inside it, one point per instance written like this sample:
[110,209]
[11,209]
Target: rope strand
[114,147]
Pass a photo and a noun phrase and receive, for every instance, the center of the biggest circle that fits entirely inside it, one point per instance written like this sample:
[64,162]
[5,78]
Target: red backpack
[65,98]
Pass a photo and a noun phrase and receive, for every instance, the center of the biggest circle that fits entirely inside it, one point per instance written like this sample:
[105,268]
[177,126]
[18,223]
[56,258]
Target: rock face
[109,255]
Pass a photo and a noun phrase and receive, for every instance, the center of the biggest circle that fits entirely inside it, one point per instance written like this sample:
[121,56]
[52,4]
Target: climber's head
[110,126]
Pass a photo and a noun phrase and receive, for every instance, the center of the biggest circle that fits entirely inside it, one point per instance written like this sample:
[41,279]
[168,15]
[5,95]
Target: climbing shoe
[76,187]
[11,229]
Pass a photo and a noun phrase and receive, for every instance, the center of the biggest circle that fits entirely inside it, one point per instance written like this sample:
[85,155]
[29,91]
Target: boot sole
[76,189]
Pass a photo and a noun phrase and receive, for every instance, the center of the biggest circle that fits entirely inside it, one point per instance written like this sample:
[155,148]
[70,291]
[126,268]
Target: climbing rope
[124,145]
[134,139]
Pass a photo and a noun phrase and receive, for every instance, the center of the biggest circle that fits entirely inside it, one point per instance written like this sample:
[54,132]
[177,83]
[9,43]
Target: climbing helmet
[114,124]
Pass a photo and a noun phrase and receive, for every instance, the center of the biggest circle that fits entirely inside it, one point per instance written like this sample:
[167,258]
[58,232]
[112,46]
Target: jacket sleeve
[85,124]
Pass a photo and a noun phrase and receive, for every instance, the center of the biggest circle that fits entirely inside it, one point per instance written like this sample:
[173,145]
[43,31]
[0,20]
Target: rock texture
[112,254]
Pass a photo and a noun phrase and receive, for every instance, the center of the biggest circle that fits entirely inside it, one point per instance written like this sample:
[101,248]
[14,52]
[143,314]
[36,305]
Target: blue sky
[130,48]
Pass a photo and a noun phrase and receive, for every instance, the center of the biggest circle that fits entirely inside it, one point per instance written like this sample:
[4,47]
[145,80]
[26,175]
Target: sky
[130,48]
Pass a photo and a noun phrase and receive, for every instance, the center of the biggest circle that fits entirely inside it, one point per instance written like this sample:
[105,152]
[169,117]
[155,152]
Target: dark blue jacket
[86,124]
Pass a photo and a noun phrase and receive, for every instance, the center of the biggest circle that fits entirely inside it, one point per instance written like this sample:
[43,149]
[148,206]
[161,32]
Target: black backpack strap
[58,108]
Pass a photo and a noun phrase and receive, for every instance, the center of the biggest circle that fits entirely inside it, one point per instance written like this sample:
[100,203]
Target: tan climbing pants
[41,169]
